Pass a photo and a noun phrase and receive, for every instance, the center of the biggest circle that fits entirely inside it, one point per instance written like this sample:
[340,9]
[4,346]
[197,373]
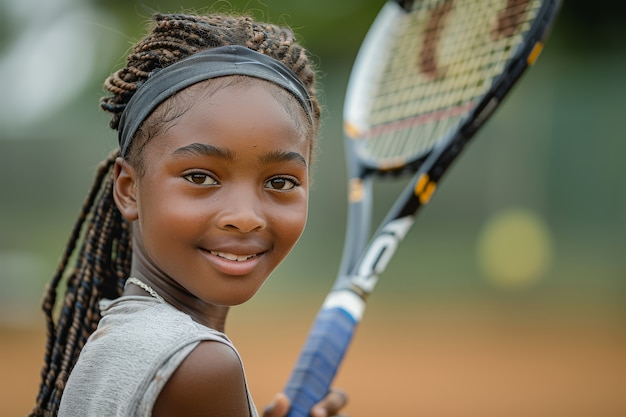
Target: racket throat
[379,253]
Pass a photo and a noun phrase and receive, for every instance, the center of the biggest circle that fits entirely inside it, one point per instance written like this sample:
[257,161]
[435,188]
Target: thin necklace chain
[145,287]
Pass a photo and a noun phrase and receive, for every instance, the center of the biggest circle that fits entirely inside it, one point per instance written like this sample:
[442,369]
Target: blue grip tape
[319,360]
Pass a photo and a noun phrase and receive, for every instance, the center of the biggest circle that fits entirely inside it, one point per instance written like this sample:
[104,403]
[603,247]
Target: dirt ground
[439,360]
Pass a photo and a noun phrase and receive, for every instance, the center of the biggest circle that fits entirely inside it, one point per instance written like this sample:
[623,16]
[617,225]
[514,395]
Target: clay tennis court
[442,359]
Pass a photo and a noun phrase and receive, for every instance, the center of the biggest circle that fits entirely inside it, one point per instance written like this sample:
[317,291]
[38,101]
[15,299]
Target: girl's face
[223,197]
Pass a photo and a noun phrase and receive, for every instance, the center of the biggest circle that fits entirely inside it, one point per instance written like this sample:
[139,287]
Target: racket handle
[319,359]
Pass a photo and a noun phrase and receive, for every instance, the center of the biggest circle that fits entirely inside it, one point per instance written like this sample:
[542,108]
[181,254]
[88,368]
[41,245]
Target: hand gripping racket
[427,77]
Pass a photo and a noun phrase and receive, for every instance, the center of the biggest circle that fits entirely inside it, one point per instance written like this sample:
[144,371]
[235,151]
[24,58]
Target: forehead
[171,110]
[233,111]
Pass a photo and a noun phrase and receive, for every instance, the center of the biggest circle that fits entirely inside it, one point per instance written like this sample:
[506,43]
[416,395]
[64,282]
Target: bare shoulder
[208,383]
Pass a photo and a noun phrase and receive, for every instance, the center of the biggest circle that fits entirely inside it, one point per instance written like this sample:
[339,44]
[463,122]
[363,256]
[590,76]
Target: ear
[125,189]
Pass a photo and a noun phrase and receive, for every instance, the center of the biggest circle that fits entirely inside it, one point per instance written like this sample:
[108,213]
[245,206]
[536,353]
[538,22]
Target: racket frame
[364,258]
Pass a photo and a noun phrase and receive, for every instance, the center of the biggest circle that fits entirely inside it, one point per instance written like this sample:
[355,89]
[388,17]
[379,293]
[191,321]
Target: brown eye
[200,179]
[281,184]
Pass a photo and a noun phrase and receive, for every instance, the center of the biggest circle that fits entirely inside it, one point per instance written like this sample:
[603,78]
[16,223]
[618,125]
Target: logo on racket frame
[379,253]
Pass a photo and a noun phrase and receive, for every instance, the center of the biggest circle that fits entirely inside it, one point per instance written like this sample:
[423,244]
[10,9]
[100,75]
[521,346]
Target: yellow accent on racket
[534,54]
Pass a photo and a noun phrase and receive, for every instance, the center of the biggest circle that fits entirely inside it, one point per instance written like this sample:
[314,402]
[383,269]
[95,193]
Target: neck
[210,315]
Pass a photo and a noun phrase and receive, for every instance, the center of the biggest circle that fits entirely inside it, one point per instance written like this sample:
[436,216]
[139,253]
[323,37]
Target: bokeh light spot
[515,249]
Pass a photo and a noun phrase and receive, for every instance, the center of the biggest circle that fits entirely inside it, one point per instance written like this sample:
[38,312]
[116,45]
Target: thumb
[278,407]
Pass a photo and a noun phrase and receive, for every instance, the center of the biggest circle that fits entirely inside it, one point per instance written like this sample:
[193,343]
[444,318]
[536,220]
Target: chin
[234,300]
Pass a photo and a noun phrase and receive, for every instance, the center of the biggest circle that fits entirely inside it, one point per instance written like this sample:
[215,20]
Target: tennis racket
[426,78]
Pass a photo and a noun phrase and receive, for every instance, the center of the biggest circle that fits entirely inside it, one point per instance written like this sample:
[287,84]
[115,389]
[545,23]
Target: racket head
[430,69]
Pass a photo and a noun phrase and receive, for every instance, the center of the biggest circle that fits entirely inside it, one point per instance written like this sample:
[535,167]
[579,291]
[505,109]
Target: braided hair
[102,264]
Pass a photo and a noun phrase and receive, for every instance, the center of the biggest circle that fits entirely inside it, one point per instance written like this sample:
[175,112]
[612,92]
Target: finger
[331,404]
[278,407]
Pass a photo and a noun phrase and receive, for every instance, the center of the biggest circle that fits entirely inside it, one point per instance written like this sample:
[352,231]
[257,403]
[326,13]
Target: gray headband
[212,63]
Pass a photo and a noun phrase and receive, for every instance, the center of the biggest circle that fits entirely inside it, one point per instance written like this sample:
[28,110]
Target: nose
[241,209]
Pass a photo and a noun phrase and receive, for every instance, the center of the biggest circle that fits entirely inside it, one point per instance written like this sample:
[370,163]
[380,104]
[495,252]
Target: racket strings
[445,59]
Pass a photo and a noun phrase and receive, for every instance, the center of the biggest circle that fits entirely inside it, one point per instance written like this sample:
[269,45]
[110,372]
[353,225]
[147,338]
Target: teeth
[232,256]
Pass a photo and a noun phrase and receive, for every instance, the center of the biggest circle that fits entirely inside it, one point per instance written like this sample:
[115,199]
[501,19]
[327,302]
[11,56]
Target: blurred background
[507,297]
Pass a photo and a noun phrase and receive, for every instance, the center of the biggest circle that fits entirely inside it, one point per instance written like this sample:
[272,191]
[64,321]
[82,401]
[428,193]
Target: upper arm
[208,383]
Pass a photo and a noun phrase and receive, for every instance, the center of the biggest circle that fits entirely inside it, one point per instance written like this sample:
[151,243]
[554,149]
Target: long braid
[96,275]
[103,262]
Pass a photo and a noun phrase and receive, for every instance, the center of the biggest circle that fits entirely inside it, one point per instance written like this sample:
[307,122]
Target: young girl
[206,195]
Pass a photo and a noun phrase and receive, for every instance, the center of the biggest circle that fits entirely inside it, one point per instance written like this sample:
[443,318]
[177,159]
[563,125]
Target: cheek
[164,220]
[291,225]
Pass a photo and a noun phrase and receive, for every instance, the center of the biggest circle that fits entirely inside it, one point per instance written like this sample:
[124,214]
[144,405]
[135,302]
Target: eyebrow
[283,156]
[203,149]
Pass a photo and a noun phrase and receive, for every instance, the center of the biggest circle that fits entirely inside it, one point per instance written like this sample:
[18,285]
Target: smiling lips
[232,256]
[234,265]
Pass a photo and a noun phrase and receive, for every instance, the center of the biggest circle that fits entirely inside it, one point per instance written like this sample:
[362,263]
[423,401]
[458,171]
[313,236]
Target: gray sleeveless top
[122,368]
